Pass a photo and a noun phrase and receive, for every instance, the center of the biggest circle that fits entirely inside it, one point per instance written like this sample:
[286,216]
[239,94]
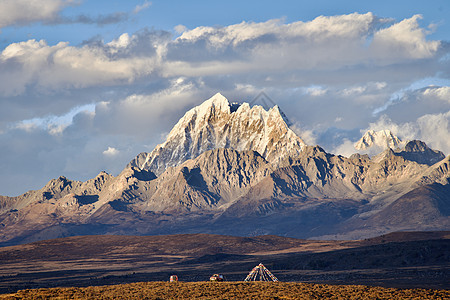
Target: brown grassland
[228,290]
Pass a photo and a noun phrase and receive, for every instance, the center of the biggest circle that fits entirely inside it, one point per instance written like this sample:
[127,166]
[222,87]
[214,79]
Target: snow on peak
[217,101]
[218,124]
[382,139]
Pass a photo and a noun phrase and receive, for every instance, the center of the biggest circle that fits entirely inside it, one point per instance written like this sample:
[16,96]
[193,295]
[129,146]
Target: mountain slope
[209,181]
[432,201]
[424,208]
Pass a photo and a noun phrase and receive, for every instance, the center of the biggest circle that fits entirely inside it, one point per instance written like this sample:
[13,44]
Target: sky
[85,85]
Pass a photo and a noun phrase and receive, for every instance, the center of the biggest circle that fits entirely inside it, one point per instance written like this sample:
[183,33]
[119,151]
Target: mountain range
[240,170]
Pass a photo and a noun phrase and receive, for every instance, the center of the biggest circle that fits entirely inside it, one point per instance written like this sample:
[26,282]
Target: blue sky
[87,85]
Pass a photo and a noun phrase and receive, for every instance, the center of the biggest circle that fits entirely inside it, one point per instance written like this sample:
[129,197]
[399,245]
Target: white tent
[260,273]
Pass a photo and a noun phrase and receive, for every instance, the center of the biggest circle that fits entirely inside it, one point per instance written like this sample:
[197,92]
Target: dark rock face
[419,152]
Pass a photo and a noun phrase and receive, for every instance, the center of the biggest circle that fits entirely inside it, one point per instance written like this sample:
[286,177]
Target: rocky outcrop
[419,152]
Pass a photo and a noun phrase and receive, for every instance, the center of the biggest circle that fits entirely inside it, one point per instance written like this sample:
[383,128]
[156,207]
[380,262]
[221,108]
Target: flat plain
[89,264]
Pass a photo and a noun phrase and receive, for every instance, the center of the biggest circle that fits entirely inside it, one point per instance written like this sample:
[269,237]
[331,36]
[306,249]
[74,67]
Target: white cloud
[354,90]
[307,136]
[141,7]
[441,93]
[62,66]
[405,40]
[52,123]
[316,91]
[122,42]
[325,43]
[24,12]
[26,126]
[55,129]
[346,149]
[319,30]
[111,152]
[180,28]
[147,115]
[435,130]
[18,12]
[423,89]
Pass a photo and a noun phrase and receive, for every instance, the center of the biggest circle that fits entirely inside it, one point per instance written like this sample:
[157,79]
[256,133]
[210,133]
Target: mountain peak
[378,139]
[416,146]
[218,101]
[213,124]
[419,152]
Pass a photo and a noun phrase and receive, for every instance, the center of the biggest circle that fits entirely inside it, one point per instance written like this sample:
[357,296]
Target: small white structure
[260,273]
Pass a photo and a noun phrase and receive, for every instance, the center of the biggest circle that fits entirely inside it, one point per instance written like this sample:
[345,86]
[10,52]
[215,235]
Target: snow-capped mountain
[235,169]
[382,139]
[218,124]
